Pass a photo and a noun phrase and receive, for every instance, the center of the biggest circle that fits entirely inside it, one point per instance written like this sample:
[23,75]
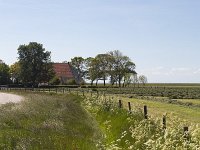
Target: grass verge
[47,121]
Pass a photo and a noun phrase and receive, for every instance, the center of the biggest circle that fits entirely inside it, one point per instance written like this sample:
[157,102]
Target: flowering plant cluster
[122,129]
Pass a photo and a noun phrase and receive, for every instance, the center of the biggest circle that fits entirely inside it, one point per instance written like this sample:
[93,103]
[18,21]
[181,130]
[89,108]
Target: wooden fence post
[185,130]
[129,106]
[97,94]
[83,93]
[120,103]
[164,122]
[145,112]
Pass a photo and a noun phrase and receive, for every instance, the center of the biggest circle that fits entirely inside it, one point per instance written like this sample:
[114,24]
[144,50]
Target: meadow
[47,121]
[91,118]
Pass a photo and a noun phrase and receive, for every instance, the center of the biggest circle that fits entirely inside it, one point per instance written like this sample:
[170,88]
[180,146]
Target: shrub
[71,82]
[82,82]
[55,81]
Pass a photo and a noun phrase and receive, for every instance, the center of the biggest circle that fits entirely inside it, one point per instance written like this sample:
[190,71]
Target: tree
[121,65]
[103,61]
[88,64]
[15,72]
[94,71]
[142,79]
[135,80]
[78,64]
[35,64]
[129,78]
[55,81]
[4,73]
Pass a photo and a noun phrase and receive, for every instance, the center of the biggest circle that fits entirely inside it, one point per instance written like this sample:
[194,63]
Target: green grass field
[193,101]
[47,121]
[158,109]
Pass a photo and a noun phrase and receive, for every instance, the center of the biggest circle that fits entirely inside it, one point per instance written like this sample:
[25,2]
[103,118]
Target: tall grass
[58,121]
[47,121]
[125,130]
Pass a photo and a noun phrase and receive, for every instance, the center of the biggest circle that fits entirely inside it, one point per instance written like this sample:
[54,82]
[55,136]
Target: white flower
[118,140]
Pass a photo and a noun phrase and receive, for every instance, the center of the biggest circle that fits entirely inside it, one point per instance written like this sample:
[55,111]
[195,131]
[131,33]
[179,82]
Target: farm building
[65,72]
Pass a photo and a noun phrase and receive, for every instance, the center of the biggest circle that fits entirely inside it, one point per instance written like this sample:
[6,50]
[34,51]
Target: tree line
[34,66]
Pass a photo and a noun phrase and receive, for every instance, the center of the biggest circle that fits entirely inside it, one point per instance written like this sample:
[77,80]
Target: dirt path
[5,98]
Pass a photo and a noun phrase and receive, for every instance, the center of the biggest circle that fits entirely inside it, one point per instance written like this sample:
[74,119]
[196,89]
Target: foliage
[113,65]
[35,64]
[129,78]
[88,64]
[78,64]
[71,82]
[4,74]
[128,130]
[54,81]
[82,83]
[142,79]
[94,72]
[121,65]
[15,72]
[103,67]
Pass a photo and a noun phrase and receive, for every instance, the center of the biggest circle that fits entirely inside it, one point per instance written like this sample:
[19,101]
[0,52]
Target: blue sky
[161,37]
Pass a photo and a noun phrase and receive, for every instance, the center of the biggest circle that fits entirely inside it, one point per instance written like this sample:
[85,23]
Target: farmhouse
[65,72]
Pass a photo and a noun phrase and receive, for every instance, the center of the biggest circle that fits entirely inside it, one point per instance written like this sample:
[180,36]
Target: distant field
[193,101]
[175,84]
[159,85]
[158,109]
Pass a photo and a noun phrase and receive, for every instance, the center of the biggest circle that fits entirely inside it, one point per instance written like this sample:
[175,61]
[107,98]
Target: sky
[162,37]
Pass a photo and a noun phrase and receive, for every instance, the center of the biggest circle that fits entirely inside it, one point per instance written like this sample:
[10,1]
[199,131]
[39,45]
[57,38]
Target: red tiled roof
[63,70]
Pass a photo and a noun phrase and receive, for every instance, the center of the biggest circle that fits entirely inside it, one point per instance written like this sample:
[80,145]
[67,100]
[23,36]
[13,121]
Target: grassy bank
[47,121]
[125,130]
